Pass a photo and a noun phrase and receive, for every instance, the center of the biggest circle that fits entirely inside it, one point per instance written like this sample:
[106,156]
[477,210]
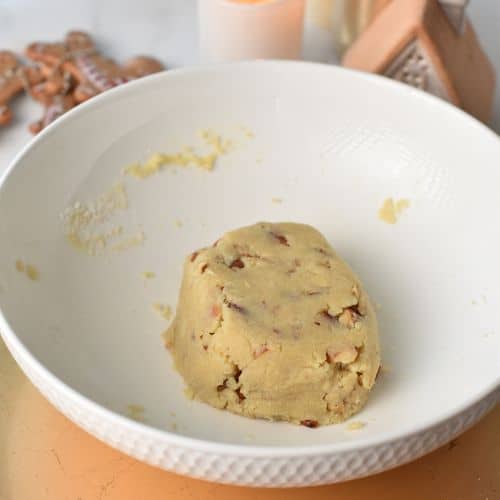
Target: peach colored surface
[43,456]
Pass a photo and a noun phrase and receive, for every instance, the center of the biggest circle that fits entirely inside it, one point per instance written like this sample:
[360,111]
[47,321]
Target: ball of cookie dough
[272,324]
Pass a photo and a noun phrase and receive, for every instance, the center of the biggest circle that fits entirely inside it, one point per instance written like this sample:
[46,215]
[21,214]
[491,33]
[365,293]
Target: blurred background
[169,30]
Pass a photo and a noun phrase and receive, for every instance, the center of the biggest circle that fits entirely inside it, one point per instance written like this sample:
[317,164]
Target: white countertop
[166,29]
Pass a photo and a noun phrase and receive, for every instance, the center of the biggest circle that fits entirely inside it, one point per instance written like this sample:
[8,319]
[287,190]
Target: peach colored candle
[250,29]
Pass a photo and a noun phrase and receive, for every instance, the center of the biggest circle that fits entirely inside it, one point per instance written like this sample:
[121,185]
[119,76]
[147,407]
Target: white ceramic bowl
[333,145]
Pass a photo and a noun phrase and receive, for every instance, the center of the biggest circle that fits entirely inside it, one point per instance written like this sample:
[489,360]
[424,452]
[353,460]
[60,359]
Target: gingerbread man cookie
[56,82]
[54,107]
[55,91]
[57,65]
[97,73]
[93,72]
[74,71]
[14,78]
[140,66]
[52,55]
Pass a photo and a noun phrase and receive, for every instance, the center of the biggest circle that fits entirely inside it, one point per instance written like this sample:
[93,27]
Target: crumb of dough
[32,272]
[136,412]
[158,161]
[134,241]
[164,310]
[277,200]
[94,244]
[218,145]
[391,209]
[173,426]
[84,222]
[149,275]
[387,212]
[355,426]
[178,223]
[401,205]
[28,269]
[247,132]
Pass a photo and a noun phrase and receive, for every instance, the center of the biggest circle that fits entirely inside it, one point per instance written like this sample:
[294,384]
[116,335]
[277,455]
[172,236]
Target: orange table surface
[43,456]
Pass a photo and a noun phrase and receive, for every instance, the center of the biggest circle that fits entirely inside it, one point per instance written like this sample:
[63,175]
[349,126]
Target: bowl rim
[15,345]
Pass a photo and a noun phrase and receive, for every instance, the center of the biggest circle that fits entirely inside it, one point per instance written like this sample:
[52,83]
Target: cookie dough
[272,324]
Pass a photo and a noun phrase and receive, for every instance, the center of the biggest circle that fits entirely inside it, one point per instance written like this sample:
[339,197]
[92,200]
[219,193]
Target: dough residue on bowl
[355,426]
[164,310]
[87,225]
[391,209]
[136,412]
[188,156]
[29,270]
[131,242]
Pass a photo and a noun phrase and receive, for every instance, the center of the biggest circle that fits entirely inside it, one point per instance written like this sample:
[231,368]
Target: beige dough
[272,324]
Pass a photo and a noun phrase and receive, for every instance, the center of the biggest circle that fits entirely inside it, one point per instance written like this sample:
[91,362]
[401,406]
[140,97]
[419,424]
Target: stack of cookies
[61,75]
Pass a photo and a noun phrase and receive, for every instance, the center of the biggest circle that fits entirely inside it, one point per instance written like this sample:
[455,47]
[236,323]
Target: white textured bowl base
[252,469]
[86,335]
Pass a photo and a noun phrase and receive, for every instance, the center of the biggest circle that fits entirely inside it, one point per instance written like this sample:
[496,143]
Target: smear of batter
[391,209]
[218,146]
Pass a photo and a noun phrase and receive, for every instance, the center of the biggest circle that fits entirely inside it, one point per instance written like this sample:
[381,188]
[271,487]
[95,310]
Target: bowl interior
[309,144]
